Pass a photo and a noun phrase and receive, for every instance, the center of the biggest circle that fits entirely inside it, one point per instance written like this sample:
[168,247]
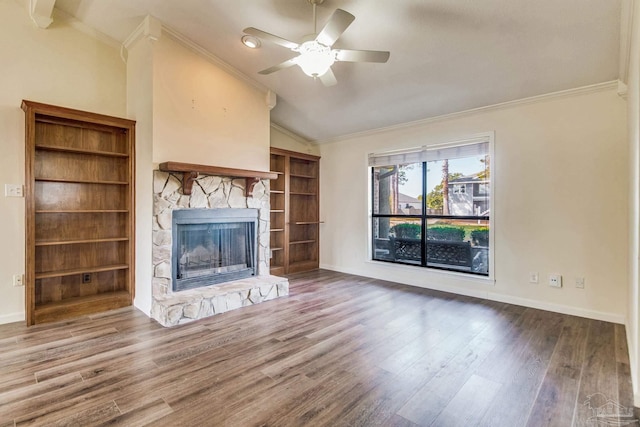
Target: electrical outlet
[555,280]
[18,280]
[13,190]
[86,277]
[580,282]
[533,277]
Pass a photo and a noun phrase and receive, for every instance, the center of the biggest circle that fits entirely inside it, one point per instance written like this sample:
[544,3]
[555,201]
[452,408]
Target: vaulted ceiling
[446,56]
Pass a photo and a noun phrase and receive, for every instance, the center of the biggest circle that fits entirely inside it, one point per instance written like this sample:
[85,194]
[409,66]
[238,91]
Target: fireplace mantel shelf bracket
[190,173]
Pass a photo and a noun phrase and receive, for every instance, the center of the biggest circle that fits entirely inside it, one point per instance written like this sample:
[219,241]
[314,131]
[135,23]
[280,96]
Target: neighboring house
[409,205]
[469,195]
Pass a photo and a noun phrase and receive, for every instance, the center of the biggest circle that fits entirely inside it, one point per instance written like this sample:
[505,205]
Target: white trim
[599,87]
[144,305]
[558,308]
[271,99]
[153,28]
[494,296]
[11,318]
[476,293]
[149,27]
[492,206]
[626,33]
[204,53]
[41,12]
[486,137]
[622,90]
[75,23]
[290,134]
[475,279]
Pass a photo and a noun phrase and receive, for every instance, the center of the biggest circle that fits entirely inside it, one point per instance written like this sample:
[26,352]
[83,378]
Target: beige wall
[140,108]
[187,110]
[203,115]
[633,101]
[561,202]
[286,140]
[60,66]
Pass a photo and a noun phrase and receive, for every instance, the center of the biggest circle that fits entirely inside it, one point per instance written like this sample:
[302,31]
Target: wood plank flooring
[341,350]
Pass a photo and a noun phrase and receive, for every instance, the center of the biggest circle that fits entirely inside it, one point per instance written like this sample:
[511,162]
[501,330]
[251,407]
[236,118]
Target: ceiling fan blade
[270,37]
[285,64]
[333,29]
[328,78]
[361,55]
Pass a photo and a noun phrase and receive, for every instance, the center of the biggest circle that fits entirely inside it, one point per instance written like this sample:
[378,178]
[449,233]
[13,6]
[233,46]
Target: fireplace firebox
[212,246]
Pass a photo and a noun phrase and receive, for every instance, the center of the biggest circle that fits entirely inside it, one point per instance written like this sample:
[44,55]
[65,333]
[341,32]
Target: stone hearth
[212,192]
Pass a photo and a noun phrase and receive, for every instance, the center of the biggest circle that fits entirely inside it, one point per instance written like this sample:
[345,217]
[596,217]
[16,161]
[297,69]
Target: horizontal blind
[431,153]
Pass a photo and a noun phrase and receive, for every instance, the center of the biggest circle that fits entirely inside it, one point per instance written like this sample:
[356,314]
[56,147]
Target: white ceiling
[446,55]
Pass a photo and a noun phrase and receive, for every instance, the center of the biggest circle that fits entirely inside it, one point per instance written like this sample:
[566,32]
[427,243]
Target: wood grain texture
[341,350]
[215,170]
[294,212]
[80,212]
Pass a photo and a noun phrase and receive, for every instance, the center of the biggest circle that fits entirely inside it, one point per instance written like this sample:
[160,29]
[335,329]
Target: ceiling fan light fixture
[250,42]
[315,59]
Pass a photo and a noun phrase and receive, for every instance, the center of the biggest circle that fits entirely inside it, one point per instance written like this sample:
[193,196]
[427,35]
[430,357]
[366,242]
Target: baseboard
[493,296]
[558,308]
[11,318]
[143,305]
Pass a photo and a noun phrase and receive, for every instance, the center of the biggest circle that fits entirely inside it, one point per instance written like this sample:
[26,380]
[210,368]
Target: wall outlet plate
[18,280]
[13,190]
[555,280]
[580,282]
[533,277]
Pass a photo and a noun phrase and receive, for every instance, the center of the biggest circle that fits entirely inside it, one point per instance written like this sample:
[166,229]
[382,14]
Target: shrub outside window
[431,207]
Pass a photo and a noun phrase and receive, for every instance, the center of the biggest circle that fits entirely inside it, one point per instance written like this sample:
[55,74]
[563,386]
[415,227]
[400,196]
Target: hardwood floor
[342,350]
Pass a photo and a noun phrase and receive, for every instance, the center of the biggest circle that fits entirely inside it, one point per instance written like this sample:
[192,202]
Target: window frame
[424,217]
[461,188]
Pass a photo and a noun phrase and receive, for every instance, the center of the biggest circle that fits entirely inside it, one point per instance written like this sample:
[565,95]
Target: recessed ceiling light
[250,42]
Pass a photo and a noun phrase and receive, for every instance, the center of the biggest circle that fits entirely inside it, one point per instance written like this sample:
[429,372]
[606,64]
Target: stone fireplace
[210,248]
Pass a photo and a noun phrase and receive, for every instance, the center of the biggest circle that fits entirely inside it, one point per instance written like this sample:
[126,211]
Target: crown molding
[290,134]
[149,28]
[41,12]
[204,53]
[626,34]
[599,87]
[153,29]
[622,90]
[73,22]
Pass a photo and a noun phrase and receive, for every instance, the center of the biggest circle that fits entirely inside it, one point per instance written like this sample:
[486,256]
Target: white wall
[59,66]
[633,106]
[204,115]
[561,202]
[287,140]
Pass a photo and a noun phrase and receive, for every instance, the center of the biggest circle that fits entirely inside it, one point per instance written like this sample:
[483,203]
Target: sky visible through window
[413,186]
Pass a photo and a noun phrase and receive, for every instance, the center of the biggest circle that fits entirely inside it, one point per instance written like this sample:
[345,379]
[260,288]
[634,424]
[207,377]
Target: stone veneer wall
[210,192]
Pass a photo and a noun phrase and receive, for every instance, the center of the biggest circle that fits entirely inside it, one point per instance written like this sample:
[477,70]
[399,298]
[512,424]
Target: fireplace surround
[222,195]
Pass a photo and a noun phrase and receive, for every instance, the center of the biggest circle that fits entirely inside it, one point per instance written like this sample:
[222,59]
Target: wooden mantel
[190,173]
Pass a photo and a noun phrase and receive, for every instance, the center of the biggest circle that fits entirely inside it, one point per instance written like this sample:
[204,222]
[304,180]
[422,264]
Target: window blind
[431,153]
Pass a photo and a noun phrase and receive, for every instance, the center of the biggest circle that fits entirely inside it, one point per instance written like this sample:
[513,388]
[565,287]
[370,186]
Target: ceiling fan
[315,53]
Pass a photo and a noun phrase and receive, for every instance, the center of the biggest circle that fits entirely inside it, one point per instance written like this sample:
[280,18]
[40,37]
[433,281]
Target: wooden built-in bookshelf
[79,196]
[294,212]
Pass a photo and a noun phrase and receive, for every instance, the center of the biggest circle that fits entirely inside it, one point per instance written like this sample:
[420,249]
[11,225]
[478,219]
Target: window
[422,211]
[459,189]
